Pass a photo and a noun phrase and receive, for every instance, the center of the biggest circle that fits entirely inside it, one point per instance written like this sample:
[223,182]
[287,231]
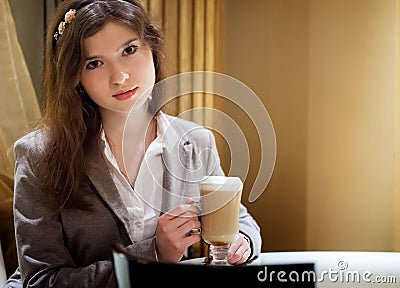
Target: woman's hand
[172,236]
[239,251]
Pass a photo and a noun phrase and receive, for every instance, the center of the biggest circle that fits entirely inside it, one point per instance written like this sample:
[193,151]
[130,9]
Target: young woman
[77,193]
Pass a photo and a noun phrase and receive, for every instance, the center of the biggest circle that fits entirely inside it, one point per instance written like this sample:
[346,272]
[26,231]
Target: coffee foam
[221,183]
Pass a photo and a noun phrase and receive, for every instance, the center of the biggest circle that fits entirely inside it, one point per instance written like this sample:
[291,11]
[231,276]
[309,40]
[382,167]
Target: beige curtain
[193,30]
[18,102]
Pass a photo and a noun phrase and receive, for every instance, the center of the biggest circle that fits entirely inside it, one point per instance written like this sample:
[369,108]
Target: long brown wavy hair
[71,120]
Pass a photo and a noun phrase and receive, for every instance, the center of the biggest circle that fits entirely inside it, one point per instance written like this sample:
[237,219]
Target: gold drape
[18,103]
[193,30]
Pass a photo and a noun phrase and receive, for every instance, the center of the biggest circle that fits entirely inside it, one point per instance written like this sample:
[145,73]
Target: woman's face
[119,70]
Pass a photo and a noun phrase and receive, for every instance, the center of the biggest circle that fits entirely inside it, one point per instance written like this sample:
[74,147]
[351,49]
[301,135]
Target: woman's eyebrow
[123,45]
[126,43]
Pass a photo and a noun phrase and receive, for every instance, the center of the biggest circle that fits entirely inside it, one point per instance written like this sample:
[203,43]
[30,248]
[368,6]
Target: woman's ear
[80,89]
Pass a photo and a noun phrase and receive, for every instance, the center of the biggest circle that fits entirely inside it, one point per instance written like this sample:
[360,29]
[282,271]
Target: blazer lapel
[176,155]
[98,173]
[180,165]
[174,176]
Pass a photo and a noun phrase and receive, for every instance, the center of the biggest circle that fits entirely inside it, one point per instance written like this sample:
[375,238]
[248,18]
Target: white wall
[328,73]
[351,124]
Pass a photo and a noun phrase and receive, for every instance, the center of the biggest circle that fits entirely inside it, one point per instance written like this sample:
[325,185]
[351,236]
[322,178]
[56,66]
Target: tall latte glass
[220,205]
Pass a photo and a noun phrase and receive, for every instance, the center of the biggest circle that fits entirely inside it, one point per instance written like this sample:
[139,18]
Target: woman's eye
[93,64]
[130,50]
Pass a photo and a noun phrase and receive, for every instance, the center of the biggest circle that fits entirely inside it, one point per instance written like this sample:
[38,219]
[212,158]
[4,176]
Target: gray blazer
[72,248]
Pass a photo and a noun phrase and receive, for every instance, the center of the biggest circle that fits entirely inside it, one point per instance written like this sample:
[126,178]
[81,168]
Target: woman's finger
[182,209]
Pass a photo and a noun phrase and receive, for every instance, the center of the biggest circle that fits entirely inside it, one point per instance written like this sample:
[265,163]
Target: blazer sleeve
[247,224]
[44,259]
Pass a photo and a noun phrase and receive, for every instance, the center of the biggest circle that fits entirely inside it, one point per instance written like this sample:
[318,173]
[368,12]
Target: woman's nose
[119,77]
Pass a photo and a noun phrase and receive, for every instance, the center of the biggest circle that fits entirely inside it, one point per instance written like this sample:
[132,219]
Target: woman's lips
[124,95]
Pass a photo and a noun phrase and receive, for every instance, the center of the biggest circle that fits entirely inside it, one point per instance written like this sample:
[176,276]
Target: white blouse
[144,200]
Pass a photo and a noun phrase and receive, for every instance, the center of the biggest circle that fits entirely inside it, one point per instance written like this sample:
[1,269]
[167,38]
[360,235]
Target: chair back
[3,276]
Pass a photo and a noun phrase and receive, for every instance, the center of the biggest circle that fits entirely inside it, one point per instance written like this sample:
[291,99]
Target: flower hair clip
[69,16]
